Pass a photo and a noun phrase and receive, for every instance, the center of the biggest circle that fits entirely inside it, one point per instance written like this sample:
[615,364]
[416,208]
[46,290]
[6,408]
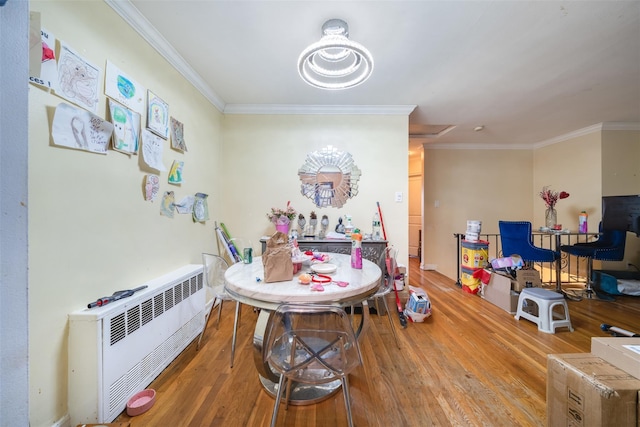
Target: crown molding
[621,126]
[615,126]
[142,26]
[397,110]
[605,126]
[471,146]
[570,135]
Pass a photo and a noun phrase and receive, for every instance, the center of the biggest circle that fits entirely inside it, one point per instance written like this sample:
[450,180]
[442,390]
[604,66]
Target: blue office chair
[609,247]
[516,239]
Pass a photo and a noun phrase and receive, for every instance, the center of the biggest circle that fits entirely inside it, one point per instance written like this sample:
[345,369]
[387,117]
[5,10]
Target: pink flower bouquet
[551,197]
[282,216]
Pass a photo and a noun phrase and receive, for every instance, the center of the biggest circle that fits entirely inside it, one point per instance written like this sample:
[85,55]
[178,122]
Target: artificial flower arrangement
[282,216]
[551,197]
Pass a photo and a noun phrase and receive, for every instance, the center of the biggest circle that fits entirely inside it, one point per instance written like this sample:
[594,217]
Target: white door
[415,215]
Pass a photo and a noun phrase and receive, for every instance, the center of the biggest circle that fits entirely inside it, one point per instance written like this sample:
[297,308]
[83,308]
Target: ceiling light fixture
[335,62]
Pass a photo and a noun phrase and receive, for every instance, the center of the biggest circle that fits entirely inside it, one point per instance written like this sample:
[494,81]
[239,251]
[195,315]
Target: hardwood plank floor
[469,364]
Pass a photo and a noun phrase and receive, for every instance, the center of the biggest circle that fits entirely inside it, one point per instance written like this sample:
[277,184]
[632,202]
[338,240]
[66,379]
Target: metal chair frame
[219,295]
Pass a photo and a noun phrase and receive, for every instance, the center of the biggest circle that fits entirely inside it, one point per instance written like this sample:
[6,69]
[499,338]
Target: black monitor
[621,213]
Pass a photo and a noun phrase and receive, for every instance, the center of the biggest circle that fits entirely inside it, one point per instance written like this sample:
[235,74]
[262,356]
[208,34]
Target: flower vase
[550,217]
[283,228]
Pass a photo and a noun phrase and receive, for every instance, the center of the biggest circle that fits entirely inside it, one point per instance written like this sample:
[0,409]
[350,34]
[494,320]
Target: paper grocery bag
[277,259]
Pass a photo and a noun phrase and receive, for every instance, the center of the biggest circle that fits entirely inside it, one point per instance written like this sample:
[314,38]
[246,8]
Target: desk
[241,283]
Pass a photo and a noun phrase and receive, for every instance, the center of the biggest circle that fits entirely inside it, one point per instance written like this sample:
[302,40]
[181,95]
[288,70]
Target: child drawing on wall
[126,125]
[77,81]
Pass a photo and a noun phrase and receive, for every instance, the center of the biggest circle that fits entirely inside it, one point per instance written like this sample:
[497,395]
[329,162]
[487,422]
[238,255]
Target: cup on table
[247,255]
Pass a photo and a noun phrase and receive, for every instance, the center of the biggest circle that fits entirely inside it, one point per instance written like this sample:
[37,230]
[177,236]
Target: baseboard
[63,422]
[428,266]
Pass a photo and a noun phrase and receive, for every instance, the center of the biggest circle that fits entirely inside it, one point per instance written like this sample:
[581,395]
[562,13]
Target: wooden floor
[469,364]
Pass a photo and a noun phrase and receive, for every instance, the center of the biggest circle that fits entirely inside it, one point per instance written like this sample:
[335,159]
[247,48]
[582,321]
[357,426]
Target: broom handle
[384,233]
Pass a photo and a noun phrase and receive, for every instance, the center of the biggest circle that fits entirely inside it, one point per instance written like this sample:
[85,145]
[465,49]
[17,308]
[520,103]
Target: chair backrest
[513,234]
[311,343]
[214,268]
[610,244]
[516,239]
[613,238]
[388,259]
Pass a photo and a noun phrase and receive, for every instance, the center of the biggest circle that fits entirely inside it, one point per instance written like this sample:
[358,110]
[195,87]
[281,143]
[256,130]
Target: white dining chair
[214,269]
[313,345]
[387,282]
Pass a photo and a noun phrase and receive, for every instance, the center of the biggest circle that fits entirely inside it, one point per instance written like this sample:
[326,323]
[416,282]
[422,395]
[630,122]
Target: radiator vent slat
[147,311]
[168,299]
[117,392]
[118,331]
[158,304]
[133,319]
[178,293]
[186,290]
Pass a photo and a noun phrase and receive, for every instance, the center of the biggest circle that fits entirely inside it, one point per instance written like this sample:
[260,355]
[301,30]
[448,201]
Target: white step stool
[546,301]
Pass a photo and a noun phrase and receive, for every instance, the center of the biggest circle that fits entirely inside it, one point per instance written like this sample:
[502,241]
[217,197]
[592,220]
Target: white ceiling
[528,71]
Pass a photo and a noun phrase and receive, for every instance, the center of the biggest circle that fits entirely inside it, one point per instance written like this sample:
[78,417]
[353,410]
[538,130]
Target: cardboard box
[585,390]
[419,302]
[621,352]
[498,292]
[527,279]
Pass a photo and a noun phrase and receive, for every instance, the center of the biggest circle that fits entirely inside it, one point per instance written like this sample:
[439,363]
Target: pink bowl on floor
[141,402]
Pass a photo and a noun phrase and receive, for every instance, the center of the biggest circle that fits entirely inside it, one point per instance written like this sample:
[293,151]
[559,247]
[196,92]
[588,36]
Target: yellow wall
[263,154]
[90,231]
[572,166]
[485,185]
[620,162]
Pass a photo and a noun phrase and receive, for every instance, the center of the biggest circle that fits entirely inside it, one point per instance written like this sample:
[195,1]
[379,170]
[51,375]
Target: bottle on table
[348,228]
[356,249]
[582,222]
[375,227]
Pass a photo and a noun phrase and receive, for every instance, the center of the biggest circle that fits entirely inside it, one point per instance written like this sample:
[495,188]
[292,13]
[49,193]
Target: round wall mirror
[329,177]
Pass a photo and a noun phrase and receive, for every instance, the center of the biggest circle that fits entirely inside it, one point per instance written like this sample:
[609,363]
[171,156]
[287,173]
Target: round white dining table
[245,283]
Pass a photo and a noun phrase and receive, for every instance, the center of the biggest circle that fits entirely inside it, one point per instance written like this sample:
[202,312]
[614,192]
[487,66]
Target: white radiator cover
[117,350]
